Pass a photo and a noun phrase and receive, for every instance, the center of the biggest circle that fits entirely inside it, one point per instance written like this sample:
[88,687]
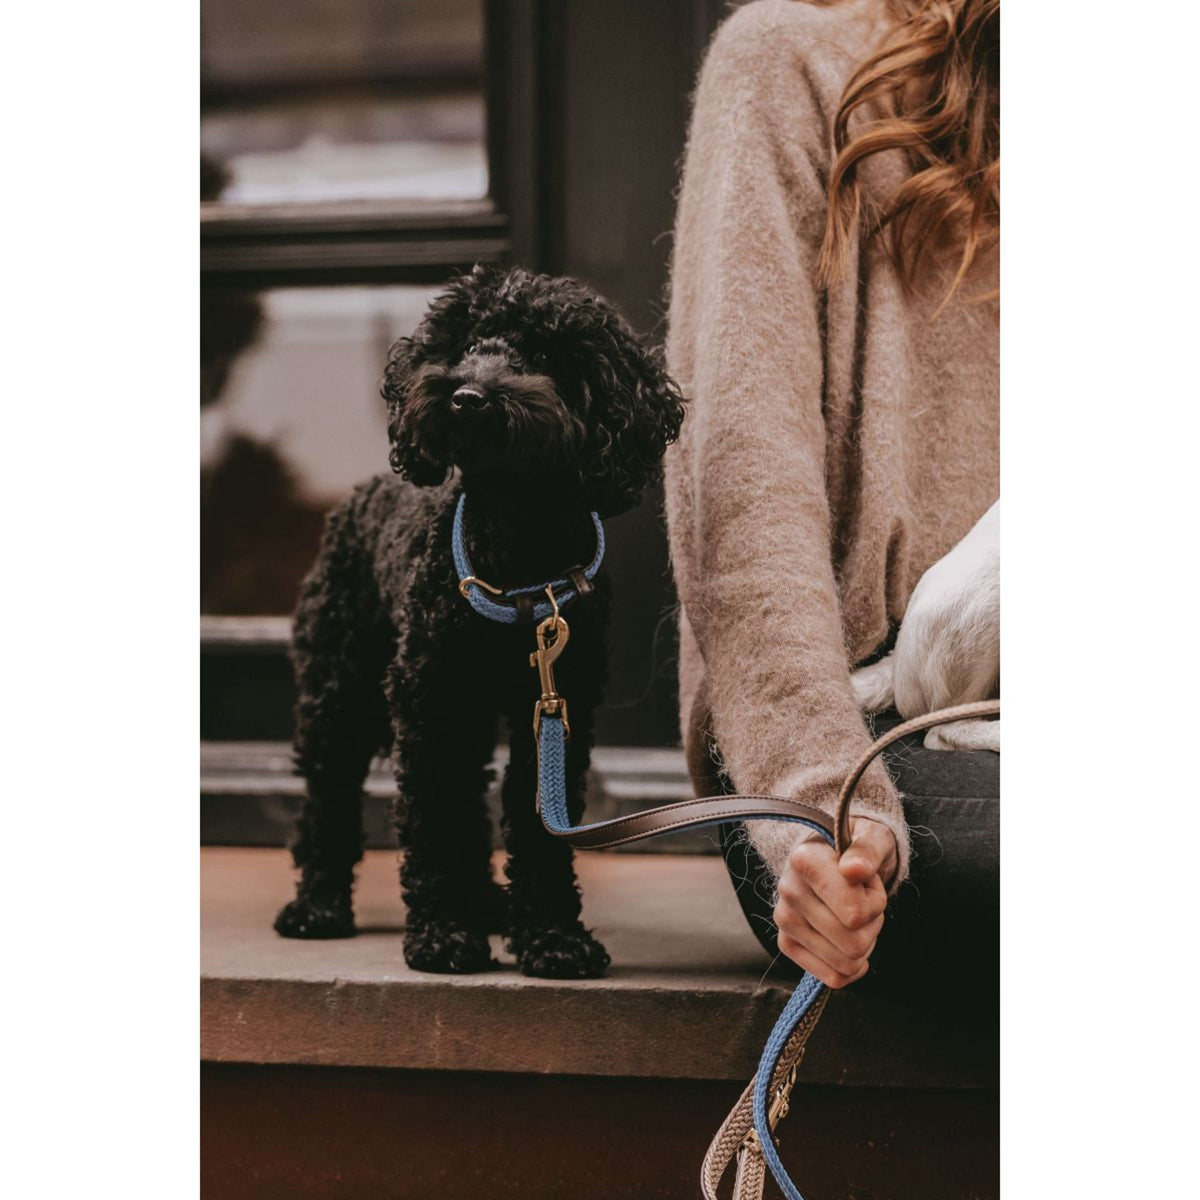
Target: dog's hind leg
[340,647]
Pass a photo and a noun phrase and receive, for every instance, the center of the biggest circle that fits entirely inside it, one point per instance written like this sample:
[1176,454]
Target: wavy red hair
[931,91]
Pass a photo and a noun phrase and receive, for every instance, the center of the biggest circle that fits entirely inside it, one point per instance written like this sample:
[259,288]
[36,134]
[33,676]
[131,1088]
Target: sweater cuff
[875,797]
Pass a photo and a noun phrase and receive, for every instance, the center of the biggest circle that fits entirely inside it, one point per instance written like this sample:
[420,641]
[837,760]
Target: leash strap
[738,1139]
[669,818]
[748,1131]
[506,609]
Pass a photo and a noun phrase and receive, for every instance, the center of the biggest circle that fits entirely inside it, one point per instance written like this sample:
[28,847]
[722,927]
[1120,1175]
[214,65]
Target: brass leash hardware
[780,1101]
[465,585]
[778,1108]
[552,635]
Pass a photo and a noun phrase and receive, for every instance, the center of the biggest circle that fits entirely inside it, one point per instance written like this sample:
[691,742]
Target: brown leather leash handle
[688,814]
[708,810]
[941,716]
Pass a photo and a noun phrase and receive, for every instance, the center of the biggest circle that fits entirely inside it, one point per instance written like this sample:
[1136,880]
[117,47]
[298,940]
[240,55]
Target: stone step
[247,693]
[689,994]
[246,688]
[250,795]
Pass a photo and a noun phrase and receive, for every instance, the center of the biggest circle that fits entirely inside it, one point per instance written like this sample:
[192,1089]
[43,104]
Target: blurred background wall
[355,153]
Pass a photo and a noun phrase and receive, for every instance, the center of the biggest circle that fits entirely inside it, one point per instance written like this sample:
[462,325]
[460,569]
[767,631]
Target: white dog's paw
[873,687]
[964,735]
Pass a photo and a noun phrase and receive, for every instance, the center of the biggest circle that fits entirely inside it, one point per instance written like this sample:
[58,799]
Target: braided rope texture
[750,1176]
[552,775]
[808,990]
[730,1139]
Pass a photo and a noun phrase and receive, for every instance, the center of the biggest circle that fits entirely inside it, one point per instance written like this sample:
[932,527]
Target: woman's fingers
[871,853]
[853,904]
[846,960]
[800,909]
[816,965]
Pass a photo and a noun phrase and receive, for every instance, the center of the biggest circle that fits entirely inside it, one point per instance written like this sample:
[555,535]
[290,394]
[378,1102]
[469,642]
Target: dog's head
[519,377]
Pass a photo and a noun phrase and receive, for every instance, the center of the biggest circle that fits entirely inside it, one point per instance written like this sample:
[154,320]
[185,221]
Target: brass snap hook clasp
[781,1100]
[552,635]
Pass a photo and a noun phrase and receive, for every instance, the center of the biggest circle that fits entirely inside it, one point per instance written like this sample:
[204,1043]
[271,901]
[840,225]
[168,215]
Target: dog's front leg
[544,929]
[444,729]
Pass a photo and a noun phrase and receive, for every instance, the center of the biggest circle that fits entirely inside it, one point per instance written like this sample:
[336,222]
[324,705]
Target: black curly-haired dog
[541,405]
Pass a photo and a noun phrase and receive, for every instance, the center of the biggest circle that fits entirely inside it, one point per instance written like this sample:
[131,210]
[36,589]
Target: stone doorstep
[688,996]
[250,795]
[231,635]
[264,766]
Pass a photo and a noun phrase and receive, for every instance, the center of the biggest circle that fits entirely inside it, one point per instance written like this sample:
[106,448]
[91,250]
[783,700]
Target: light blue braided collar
[503,609]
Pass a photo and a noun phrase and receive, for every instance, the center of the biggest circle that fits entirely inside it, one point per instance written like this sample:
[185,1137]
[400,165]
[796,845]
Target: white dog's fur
[948,648]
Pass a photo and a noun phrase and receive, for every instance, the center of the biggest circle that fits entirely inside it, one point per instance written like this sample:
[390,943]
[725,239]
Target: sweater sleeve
[746,494]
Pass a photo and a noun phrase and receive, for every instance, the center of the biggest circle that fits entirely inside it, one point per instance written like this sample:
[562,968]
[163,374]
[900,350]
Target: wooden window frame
[254,247]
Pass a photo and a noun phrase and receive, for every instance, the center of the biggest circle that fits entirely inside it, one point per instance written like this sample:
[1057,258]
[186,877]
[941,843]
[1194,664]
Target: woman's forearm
[747,505]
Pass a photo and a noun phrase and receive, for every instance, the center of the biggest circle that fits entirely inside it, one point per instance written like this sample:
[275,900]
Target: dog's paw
[444,948]
[320,916]
[559,953]
[873,687]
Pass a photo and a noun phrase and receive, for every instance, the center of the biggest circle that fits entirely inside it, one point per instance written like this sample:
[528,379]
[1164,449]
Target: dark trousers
[752,884]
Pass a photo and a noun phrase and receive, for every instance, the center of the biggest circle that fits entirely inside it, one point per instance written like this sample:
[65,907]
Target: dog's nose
[468,397]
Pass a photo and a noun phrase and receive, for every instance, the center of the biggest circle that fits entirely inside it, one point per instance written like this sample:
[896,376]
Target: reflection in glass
[340,100]
[292,420]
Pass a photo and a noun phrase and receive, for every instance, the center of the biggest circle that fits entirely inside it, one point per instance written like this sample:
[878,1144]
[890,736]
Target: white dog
[948,648]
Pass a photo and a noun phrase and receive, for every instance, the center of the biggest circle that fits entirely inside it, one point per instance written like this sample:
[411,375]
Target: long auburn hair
[931,90]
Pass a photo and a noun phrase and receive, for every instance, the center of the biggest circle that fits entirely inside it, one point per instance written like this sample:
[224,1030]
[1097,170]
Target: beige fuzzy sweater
[837,445]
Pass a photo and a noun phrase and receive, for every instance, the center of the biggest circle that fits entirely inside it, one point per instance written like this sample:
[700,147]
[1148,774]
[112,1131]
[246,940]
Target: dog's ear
[417,453]
[410,452]
[635,411]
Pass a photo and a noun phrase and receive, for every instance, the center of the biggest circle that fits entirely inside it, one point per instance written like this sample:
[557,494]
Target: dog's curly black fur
[533,397]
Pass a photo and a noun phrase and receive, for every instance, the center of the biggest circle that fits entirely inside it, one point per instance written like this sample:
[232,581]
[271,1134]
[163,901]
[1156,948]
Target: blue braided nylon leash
[506,614]
[801,1000]
[552,803]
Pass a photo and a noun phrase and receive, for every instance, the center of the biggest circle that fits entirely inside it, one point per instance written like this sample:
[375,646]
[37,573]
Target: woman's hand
[830,911]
